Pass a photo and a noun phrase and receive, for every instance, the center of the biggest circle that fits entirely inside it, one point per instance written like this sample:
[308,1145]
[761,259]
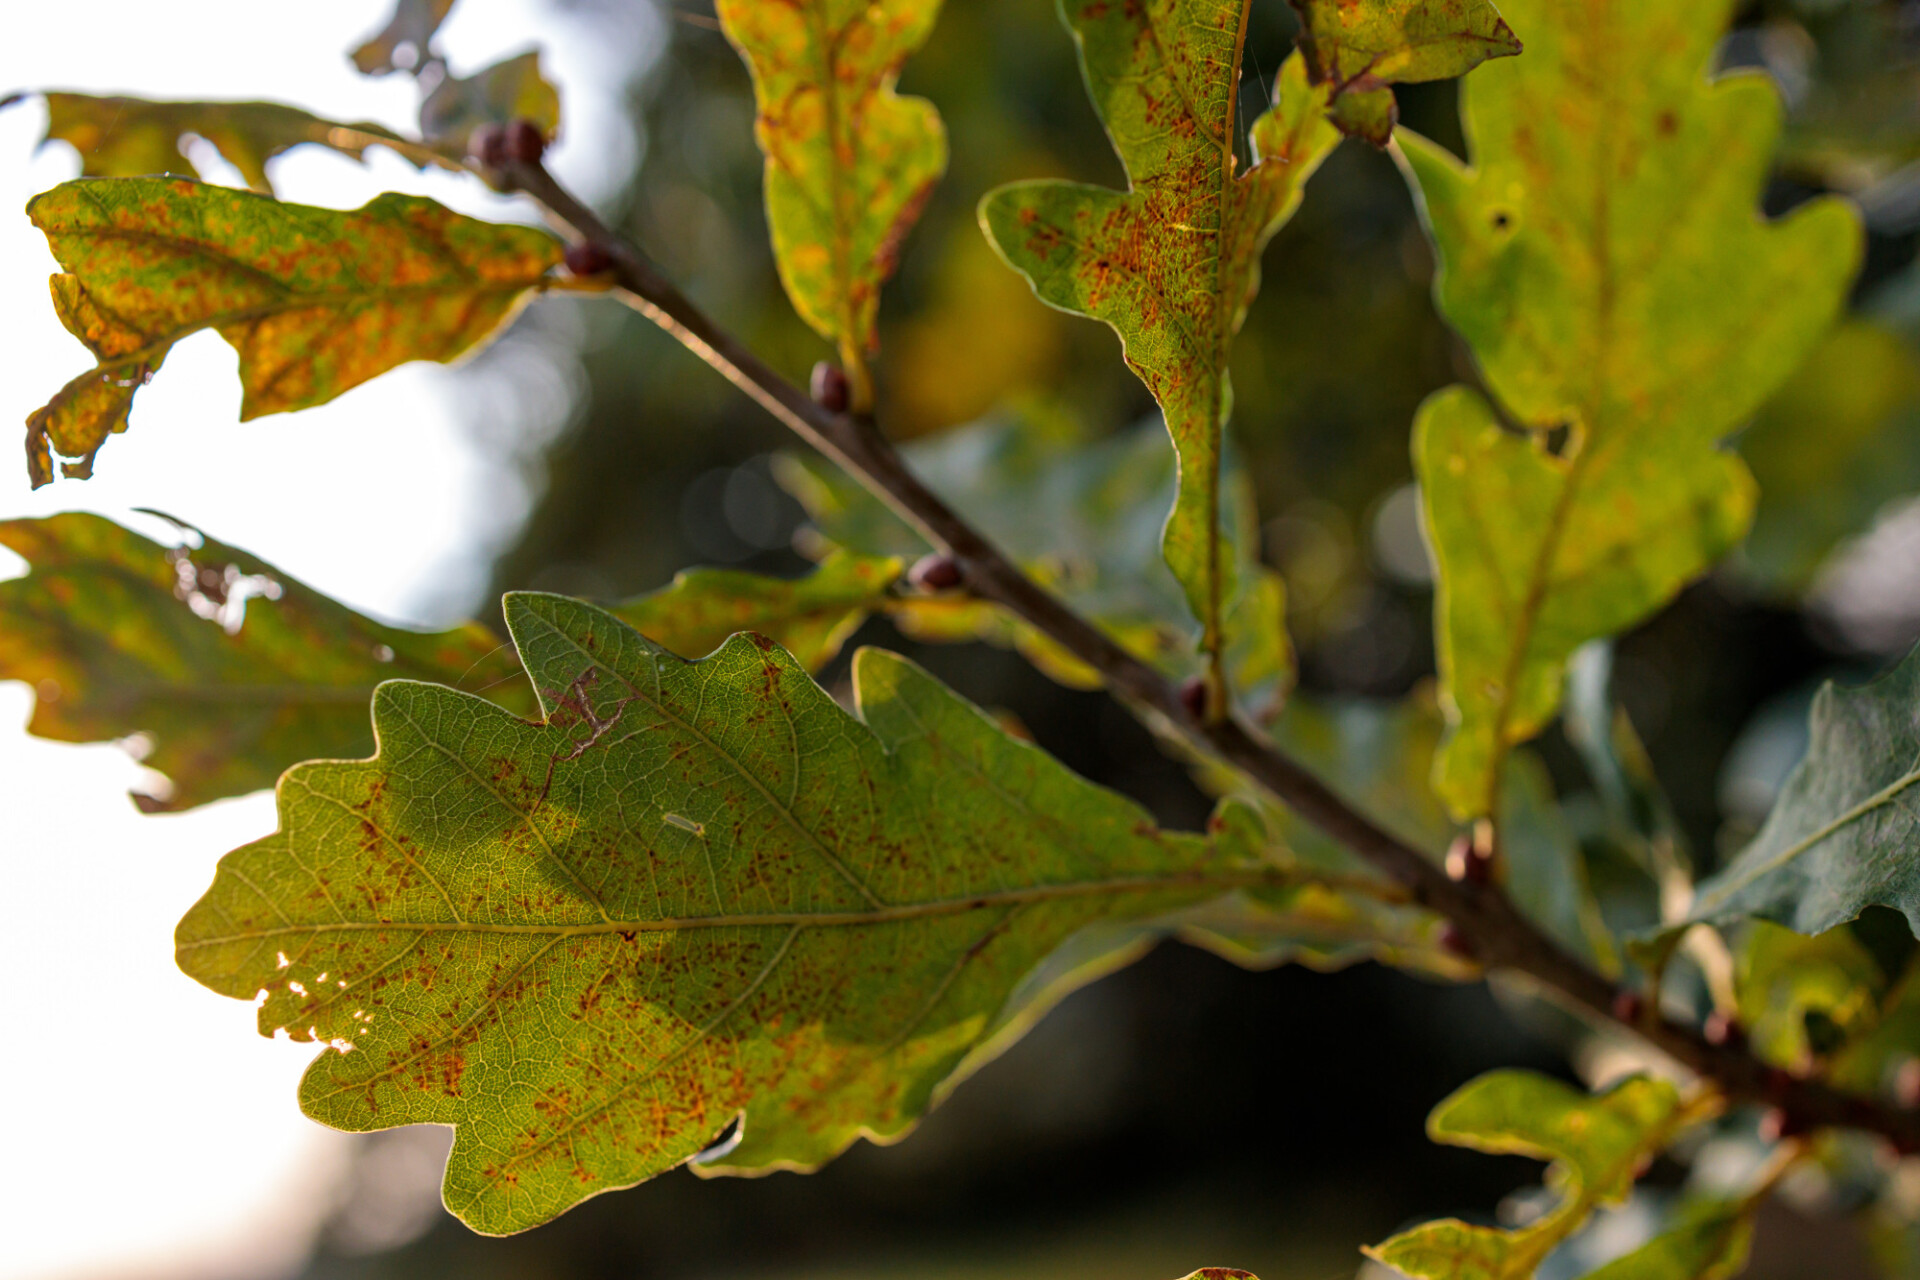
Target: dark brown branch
[1499,936]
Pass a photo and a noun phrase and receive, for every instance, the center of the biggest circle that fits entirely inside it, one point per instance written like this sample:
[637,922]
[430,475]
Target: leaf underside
[849,162]
[316,301]
[1172,263]
[1628,307]
[1845,832]
[697,892]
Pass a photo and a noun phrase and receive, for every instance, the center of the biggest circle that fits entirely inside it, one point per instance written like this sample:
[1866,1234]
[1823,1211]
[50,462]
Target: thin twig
[1499,936]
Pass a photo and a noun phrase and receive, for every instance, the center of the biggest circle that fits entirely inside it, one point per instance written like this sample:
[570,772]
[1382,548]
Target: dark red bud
[1454,941]
[936,573]
[524,141]
[1468,863]
[1721,1029]
[829,387]
[488,145]
[1906,1084]
[1777,1124]
[1905,1144]
[1193,696]
[1777,1085]
[588,259]
[1628,1006]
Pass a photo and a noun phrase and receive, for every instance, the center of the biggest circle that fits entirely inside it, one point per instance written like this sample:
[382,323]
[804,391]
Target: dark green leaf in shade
[513,89]
[1845,833]
[1083,518]
[133,137]
[227,669]
[1598,1143]
[809,617]
[697,893]
[316,301]
[850,163]
[1628,307]
[1173,262]
[1835,445]
[1362,49]
[406,42]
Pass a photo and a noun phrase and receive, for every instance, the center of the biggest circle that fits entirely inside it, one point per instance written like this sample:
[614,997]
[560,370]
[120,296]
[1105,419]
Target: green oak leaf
[1173,262]
[406,42]
[1711,1242]
[1085,519]
[316,301]
[120,137]
[1361,49]
[1837,443]
[850,163]
[810,617]
[1628,306]
[1784,980]
[1844,834]
[1598,1143]
[697,893]
[512,89]
[1870,1062]
[228,669]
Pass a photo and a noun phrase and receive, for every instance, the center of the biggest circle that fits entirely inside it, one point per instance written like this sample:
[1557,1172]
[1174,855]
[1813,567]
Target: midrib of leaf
[1879,799]
[827,41]
[784,810]
[1223,880]
[1539,581]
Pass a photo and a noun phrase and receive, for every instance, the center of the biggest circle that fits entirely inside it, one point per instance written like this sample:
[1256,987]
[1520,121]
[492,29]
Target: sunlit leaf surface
[1845,833]
[697,892]
[316,301]
[1628,307]
[849,161]
[1598,1144]
[225,669]
[1361,49]
[1173,262]
[122,137]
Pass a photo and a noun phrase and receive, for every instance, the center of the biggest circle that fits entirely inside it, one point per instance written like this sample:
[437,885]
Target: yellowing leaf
[1629,307]
[316,301]
[512,89]
[1173,262]
[1598,1145]
[849,161]
[1360,49]
[133,137]
[698,893]
[223,667]
[1711,1242]
[406,41]
[809,617]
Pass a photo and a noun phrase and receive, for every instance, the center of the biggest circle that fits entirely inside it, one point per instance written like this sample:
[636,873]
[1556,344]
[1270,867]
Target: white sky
[150,1131]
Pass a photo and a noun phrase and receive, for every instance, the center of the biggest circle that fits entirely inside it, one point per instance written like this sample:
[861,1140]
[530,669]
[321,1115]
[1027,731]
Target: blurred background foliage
[1186,1112]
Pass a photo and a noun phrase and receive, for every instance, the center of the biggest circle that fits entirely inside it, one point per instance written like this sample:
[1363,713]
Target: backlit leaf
[1710,1243]
[1629,307]
[1173,262]
[849,161]
[512,89]
[227,669]
[407,39]
[133,137]
[1845,833]
[1785,979]
[698,892]
[316,301]
[1598,1144]
[1084,518]
[1360,49]
[809,617]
